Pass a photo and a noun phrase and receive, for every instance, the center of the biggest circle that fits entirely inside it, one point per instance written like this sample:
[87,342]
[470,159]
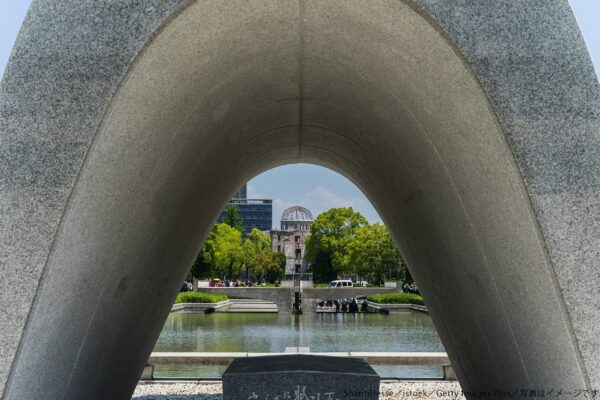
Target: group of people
[345,305]
[236,283]
[218,283]
[410,288]
[186,287]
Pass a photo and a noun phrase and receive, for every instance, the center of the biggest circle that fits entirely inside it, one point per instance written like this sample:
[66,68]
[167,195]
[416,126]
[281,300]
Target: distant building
[255,213]
[290,239]
[242,193]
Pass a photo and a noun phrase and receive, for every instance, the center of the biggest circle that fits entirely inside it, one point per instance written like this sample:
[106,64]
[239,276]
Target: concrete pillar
[127,125]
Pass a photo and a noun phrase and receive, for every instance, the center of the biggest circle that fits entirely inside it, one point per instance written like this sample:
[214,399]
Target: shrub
[197,297]
[397,298]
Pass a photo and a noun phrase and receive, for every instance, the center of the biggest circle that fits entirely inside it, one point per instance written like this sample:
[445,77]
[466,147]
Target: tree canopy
[372,253]
[258,256]
[226,255]
[233,218]
[329,237]
[222,251]
[342,242]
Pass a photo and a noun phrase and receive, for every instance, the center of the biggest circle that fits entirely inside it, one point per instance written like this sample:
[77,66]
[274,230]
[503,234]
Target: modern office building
[291,238]
[255,213]
[242,193]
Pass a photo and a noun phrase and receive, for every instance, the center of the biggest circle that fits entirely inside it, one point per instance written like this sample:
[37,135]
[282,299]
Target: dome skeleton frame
[297,213]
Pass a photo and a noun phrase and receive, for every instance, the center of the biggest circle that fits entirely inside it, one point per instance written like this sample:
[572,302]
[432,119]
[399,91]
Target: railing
[375,358]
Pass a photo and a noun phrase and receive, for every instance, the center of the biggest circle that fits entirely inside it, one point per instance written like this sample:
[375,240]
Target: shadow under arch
[373,91]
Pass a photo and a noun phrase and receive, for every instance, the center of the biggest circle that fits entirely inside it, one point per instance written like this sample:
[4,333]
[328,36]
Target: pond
[255,332]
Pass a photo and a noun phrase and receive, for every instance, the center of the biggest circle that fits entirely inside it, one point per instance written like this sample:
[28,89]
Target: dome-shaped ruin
[295,214]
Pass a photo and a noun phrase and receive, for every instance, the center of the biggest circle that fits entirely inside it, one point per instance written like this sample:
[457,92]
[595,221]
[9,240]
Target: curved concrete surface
[473,127]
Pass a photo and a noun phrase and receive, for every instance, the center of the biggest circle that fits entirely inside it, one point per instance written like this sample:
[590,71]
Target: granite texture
[389,390]
[473,127]
[64,68]
[542,84]
[307,377]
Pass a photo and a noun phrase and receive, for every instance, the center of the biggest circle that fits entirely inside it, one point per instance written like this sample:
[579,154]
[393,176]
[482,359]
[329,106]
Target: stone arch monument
[472,126]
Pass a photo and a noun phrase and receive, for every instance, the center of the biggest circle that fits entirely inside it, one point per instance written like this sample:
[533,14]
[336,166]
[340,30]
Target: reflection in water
[255,332]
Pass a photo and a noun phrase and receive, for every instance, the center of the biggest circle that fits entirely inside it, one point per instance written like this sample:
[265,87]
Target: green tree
[257,249]
[258,256]
[371,252]
[233,218]
[201,269]
[321,268]
[223,251]
[277,267]
[329,236]
[272,266]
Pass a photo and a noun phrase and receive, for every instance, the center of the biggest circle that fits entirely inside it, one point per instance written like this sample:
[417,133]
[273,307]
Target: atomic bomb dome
[289,240]
[296,214]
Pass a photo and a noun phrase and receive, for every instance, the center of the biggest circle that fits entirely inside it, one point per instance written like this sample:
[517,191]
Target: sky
[313,187]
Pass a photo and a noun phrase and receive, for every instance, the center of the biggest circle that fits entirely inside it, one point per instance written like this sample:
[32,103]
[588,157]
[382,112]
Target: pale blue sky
[313,187]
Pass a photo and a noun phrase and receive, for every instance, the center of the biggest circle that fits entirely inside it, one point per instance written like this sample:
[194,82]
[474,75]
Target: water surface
[253,332]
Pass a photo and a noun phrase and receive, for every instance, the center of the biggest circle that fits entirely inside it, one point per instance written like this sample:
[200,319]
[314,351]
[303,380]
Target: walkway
[207,390]
[283,296]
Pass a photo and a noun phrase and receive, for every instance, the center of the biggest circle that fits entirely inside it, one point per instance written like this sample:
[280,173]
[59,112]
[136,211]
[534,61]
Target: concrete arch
[472,127]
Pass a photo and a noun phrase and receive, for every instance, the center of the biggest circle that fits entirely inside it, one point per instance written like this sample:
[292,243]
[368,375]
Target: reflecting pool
[255,332]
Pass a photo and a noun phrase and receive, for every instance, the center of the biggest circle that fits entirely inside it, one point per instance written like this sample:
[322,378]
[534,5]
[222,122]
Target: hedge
[396,298]
[197,297]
